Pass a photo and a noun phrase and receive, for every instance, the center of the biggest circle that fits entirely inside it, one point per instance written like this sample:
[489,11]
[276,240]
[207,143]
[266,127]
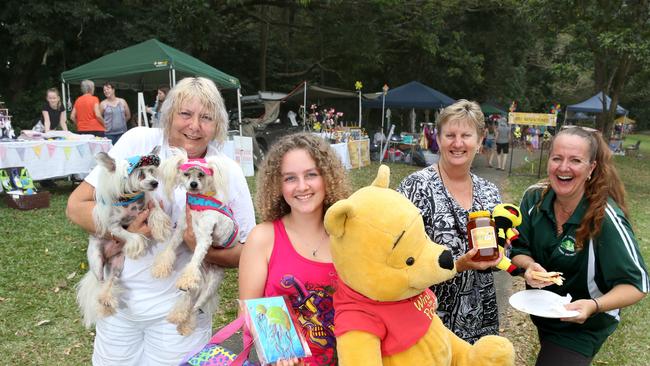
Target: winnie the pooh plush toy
[385,312]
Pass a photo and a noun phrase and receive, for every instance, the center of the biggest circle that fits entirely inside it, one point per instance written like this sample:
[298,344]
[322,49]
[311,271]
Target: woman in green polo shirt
[577,223]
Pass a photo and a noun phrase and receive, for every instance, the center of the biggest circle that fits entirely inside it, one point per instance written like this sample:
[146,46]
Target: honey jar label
[484,237]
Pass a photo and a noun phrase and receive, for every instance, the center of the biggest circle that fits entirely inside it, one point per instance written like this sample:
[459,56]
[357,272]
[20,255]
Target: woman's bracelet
[597,306]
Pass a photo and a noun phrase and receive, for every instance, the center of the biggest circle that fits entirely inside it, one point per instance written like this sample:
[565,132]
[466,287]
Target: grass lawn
[42,257]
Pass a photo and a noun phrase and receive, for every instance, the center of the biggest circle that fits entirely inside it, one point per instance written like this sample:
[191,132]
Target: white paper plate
[542,303]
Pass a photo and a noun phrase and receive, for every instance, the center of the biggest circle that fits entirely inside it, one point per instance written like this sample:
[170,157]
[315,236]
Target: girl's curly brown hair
[604,183]
[270,203]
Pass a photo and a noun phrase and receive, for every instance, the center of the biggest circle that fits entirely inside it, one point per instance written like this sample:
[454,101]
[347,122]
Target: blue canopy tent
[411,95]
[594,105]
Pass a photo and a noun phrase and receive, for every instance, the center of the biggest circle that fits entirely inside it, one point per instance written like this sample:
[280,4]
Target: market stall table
[45,159]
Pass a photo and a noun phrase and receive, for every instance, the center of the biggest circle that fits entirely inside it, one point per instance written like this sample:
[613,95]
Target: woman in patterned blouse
[445,193]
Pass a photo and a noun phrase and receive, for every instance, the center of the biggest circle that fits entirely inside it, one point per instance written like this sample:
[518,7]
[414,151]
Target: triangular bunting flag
[21,153]
[51,148]
[37,150]
[81,149]
[105,147]
[67,150]
[93,147]
[3,152]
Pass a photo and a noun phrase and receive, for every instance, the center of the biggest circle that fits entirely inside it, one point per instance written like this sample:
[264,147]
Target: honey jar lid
[477,214]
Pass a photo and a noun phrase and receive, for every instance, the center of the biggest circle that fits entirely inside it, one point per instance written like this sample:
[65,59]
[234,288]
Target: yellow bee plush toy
[506,217]
[385,312]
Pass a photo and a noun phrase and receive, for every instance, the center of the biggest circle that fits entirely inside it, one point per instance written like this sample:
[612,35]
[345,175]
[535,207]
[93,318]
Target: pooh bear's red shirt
[398,324]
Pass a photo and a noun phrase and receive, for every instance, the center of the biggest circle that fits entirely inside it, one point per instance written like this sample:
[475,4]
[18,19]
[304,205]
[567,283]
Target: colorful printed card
[273,328]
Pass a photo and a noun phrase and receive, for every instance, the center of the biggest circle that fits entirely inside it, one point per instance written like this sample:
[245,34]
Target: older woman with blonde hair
[289,253]
[193,118]
[446,193]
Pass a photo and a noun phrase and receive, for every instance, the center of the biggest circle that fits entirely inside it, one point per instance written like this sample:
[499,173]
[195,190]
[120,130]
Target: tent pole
[383,105]
[241,132]
[359,108]
[69,101]
[173,78]
[65,102]
[304,109]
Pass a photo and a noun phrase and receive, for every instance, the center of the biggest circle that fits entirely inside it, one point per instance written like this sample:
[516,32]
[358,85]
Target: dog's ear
[106,161]
[155,150]
[219,177]
[169,169]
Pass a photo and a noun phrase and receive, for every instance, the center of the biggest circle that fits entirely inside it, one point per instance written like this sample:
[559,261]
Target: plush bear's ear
[383,177]
[335,218]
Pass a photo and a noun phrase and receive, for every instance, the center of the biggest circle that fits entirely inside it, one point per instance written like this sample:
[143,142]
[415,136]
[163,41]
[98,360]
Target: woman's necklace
[561,217]
[314,252]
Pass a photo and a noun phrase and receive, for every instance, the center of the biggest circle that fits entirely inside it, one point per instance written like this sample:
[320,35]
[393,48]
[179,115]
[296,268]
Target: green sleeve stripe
[629,245]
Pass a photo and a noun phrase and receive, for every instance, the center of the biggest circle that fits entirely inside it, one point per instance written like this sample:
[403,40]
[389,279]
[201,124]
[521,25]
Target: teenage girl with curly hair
[289,252]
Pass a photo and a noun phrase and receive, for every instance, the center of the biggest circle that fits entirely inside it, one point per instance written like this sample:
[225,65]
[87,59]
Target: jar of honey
[481,234]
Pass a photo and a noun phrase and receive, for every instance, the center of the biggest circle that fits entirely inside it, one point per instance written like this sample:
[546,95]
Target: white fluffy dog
[123,190]
[213,225]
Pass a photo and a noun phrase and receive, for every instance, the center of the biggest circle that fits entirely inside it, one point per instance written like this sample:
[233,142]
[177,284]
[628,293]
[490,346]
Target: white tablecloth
[50,159]
[341,150]
[343,153]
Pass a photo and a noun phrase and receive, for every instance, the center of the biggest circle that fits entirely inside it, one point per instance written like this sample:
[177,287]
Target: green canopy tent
[489,109]
[145,66]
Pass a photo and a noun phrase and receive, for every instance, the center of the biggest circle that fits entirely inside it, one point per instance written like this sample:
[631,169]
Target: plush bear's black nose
[154,184]
[446,260]
[193,185]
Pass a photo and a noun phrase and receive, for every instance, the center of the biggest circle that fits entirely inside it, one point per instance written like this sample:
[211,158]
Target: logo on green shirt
[567,245]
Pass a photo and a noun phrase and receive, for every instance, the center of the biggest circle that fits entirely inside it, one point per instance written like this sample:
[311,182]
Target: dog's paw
[135,246]
[178,316]
[187,327]
[189,279]
[107,304]
[163,264]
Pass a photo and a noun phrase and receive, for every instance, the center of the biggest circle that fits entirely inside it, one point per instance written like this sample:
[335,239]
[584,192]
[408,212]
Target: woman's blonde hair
[207,94]
[270,202]
[463,109]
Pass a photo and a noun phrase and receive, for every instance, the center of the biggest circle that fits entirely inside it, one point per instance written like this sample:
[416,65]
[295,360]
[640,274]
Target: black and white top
[467,303]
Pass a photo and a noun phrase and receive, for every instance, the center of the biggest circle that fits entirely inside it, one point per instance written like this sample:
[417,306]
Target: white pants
[120,341]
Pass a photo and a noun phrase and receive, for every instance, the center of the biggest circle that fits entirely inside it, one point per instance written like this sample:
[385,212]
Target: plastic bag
[39,127]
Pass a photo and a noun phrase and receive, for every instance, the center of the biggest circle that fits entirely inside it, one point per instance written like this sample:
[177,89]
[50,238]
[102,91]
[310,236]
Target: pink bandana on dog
[196,163]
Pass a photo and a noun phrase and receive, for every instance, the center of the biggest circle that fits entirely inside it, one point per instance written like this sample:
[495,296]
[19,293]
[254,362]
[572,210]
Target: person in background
[85,112]
[193,118]
[576,223]
[300,178]
[116,113]
[155,110]
[54,116]
[446,193]
[490,137]
[502,139]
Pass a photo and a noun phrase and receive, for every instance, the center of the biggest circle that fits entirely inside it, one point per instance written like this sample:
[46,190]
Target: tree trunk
[264,44]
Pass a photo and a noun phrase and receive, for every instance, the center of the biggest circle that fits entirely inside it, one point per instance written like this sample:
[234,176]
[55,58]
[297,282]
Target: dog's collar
[196,163]
[128,199]
[201,202]
[141,160]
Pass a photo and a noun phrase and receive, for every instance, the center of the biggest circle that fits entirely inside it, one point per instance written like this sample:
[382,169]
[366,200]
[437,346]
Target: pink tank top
[310,286]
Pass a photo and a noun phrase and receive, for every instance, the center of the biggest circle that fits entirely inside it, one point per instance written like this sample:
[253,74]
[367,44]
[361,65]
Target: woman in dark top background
[54,116]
